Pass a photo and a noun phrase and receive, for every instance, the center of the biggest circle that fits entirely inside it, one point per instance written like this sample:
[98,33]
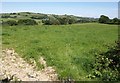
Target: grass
[69,48]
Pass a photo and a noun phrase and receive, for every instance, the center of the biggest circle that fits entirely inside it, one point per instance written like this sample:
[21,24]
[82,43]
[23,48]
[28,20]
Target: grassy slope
[70,48]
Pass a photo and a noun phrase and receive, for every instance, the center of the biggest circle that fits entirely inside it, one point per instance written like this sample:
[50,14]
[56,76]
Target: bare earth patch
[13,65]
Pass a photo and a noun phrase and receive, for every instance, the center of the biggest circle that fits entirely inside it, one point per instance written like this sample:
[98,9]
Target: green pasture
[70,49]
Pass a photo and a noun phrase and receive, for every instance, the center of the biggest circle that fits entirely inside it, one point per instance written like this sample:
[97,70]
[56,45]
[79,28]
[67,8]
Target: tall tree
[104,19]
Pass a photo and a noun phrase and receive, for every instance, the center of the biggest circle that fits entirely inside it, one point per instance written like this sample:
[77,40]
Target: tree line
[52,19]
[58,20]
[19,22]
[45,19]
[106,20]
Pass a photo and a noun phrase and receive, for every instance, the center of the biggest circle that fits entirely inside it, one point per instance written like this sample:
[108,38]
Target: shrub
[107,65]
[71,20]
[12,13]
[116,21]
[27,22]
[39,16]
[104,19]
[46,22]
[9,22]
[59,20]
[51,21]
[64,20]
[5,16]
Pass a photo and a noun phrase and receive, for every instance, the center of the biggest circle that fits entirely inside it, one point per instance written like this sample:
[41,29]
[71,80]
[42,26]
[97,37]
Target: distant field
[69,48]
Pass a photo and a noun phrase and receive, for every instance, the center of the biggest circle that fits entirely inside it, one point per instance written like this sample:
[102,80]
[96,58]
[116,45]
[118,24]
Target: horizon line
[57,14]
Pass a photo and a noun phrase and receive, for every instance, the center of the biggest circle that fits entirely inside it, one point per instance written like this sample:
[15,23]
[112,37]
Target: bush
[64,20]
[59,20]
[71,20]
[27,22]
[39,16]
[9,22]
[107,65]
[5,16]
[46,22]
[104,19]
[116,21]
[51,21]
[12,13]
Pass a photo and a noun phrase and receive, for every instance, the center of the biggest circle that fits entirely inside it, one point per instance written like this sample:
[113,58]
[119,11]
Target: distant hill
[40,16]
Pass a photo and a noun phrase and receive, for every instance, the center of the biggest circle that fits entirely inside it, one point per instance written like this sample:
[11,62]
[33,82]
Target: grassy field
[69,48]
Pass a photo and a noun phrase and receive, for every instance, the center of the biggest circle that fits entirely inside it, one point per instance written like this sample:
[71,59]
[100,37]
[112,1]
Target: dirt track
[13,65]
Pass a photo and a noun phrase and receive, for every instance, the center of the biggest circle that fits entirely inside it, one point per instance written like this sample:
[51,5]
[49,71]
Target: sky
[60,0]
[84,9]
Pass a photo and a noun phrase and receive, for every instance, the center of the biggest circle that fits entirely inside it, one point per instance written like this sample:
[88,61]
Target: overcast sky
[85,9]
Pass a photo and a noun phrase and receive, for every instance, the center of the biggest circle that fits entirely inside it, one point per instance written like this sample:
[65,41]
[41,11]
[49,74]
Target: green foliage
[12,13]
[46,22]
[27,22]
[107,65]
[104,19]
[64,20]
[59,20]
[41,16]
[48,19]
[5,16]
[71,20]
[19,22]
[9,22]
[51,21]
[86,20]
[116,21]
